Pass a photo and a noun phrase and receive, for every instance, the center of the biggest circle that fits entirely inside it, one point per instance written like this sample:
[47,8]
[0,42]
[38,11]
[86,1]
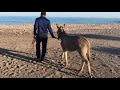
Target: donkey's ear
[57,25]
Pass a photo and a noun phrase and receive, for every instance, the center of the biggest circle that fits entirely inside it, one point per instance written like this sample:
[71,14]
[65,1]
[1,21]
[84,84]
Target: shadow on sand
[17,55]
[99,36]
[13,54]
[112,50]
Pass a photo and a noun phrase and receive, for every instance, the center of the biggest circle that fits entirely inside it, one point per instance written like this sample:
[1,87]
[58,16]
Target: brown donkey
[73,43]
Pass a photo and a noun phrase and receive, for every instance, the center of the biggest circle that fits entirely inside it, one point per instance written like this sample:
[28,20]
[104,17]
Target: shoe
[42,59]
[37,59]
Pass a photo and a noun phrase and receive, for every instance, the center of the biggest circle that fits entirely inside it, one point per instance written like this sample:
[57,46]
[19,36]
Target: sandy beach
[16,53]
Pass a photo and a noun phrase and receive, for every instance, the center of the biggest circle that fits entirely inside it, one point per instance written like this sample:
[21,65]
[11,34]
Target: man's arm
[50,30]
[35,27]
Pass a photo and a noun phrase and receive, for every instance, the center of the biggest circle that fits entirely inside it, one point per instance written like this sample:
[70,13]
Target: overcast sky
[65,14]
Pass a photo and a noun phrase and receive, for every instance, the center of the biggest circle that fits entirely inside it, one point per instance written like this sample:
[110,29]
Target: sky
[66,14]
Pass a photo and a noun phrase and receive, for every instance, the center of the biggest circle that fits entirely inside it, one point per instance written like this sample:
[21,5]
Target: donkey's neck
[63,35]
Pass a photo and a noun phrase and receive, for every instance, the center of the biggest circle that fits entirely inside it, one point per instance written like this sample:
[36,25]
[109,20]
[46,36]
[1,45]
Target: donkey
[75,43]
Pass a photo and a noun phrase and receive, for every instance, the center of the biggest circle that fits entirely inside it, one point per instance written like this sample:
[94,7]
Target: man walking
[41,28]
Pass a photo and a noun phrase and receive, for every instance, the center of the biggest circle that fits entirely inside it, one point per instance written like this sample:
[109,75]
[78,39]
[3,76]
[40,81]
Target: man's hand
[34,37]
[53,36]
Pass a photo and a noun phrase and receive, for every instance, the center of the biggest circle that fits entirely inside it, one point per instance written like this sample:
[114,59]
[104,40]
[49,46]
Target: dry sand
[16,57]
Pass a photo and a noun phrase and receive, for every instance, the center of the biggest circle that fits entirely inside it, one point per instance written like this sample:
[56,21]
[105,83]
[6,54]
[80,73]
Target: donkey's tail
[88,52]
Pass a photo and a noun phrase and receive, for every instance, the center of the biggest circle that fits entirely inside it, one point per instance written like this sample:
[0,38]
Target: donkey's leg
[66,59]
[89,69]
[81,70]
[63,55]
[85,60]
[88,65]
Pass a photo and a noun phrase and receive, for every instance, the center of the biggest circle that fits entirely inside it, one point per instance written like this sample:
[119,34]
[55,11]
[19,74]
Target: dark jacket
[42,26]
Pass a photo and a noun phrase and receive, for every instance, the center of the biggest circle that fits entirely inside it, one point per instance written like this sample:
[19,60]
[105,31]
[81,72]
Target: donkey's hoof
[91,76]
[67,66]
[60,62]
[80,73]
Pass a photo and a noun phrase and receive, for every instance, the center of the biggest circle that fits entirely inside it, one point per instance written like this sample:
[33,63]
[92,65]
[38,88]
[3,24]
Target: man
[41,28]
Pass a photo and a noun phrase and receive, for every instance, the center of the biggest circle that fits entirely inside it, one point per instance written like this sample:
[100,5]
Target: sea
[58,20]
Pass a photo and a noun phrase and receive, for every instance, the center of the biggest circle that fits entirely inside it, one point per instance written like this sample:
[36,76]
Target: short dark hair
[43,13]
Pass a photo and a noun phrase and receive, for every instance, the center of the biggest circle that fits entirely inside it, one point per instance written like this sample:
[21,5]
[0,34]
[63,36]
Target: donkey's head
[60,31]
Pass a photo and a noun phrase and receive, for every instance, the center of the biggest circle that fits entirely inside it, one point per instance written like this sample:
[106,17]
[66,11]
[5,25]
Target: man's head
[43,13]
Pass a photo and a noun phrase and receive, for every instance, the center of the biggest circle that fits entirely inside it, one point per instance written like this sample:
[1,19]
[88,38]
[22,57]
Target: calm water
[58,20]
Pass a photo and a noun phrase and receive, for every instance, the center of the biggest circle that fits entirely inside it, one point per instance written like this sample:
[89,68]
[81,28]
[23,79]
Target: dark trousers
[44,46]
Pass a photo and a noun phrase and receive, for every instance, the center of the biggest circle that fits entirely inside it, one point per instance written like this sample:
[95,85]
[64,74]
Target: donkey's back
[72,43]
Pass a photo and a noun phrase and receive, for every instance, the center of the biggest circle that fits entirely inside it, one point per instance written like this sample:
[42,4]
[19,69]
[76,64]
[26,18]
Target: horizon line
[58,16]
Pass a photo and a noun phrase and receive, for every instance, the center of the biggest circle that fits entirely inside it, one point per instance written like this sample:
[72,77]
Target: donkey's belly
[69,47]
[70,44]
